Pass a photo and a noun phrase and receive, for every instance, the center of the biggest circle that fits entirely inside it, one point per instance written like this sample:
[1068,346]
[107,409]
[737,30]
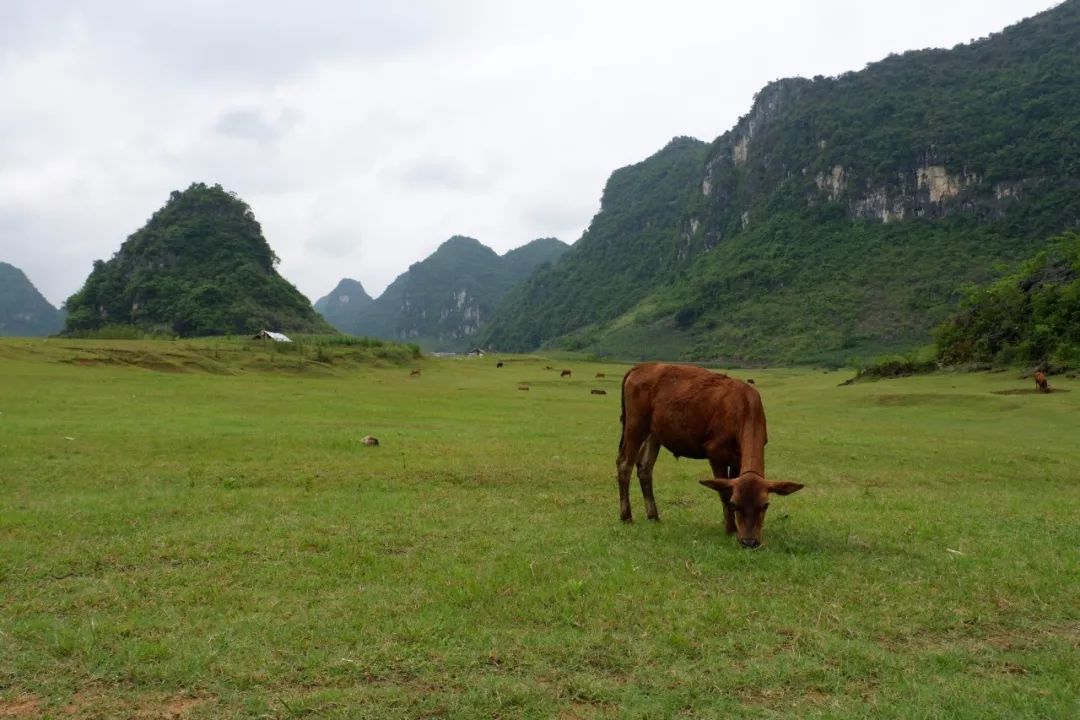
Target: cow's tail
[622,416]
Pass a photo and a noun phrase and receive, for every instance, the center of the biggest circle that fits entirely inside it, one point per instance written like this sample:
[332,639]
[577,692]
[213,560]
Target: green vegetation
[200,266]
[306,354]
[857,288]
[23,310]
[922,360]
[838,219]
[221,546]
[1030,317]
[443,301]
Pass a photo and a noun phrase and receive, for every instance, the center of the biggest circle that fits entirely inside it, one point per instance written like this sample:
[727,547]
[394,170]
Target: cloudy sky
[364,133]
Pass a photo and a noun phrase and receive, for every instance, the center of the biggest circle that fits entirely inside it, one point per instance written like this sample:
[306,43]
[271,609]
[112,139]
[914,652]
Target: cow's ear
[785,488]
[717,484]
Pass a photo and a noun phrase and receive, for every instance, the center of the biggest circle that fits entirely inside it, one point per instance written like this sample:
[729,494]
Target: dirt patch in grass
[23,706]
[156,365]
[1029,391]
[1020,640]
[100,703]
[784,698]
[178,706]
[580,710]
[911,399]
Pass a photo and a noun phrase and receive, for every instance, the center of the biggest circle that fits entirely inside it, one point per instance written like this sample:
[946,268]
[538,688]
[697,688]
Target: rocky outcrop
[831,183]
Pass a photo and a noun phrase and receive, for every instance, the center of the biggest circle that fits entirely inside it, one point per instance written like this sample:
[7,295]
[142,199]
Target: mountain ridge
[442,301]
[24,311]
[344,301]
[841,215]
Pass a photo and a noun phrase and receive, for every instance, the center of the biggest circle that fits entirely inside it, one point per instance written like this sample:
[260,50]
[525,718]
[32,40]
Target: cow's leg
[633,436]
[723,469]
[650,449]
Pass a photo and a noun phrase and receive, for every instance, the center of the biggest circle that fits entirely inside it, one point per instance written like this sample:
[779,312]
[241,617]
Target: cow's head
[746,498]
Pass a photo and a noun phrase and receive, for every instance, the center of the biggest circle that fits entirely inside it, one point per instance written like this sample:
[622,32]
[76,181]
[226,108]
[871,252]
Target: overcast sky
[364,134]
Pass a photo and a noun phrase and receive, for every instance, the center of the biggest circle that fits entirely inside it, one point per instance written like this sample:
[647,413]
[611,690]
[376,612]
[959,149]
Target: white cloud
[363,134]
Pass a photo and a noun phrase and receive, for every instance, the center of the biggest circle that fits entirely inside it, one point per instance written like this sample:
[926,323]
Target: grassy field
[207,538]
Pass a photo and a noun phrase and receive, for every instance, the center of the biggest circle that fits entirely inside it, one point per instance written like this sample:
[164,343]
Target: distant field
[203,536]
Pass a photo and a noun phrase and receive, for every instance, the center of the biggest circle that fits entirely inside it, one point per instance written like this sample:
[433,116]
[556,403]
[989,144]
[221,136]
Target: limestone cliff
[839,215]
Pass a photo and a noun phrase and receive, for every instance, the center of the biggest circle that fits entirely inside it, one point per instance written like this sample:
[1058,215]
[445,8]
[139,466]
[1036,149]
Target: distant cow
[750,381]
[696,413]
[564,373]
[600,375]
[370,440]
[1040,382]
[598,392]
[498,364]
[548,367]
[414,373]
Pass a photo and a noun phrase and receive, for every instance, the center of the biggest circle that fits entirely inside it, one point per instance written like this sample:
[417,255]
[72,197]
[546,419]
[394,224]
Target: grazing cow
[564,373]
[414,373]
[370,440]
[696,413]
[600,375]
[498,364]
[598,392]
[1040,382]
[548,367]
[750,381]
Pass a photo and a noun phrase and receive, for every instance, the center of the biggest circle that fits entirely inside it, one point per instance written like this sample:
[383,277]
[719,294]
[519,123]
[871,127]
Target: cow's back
[688,407]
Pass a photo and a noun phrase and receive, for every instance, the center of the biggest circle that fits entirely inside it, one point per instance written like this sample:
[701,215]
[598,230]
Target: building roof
[271,335]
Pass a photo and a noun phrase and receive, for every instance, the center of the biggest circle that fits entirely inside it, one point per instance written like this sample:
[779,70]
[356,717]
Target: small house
[271,335]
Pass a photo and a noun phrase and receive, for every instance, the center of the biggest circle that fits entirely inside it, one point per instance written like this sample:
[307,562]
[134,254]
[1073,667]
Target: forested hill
[840,216]
[343,303]
[1031,317]
[200,266]
[23,310]
[443,301]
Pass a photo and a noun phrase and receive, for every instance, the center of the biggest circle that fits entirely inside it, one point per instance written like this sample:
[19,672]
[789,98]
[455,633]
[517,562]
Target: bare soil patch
[24,706]
[1029,391]
[99,703]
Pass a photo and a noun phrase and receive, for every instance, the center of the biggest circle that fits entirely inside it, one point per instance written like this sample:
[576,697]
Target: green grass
[220,545]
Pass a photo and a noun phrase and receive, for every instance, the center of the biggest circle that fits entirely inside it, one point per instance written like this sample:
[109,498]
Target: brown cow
[696,413]
[1040,382]
[414,373]
[564,373]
